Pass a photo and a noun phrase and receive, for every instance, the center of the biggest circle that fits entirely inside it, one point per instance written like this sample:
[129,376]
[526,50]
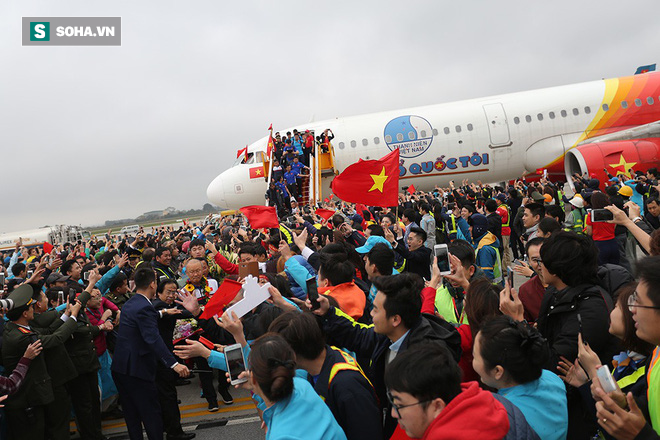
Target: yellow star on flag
[259,172]
[625,165]
[379,181]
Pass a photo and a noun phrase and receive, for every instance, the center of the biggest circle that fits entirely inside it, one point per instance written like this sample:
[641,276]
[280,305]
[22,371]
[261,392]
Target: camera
[6,304]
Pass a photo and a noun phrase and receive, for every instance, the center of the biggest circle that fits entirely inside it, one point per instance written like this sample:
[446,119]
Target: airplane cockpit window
[606,107]
[446,130]
[638,102]
[624,104]
[649,100]
[516,120]
[470,127]
[587,109]
[528,118]
[540,116]
[576,112]
[376,140]
[551,115]
[257,158]
[563,113]
[241,159]
[458,129]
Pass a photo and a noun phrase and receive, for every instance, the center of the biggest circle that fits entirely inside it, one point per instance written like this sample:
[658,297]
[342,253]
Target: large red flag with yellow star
[372,182]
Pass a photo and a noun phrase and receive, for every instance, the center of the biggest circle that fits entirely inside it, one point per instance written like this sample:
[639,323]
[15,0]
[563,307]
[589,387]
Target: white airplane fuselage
[489,139]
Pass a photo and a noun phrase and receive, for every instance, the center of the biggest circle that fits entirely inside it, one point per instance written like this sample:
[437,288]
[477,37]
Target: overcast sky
[89,134]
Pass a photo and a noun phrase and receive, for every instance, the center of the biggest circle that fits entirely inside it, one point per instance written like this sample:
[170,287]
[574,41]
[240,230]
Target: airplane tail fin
[645,69]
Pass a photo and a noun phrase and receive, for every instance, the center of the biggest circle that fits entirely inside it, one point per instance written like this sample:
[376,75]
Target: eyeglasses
[398,408]
[633,302]
[537,261]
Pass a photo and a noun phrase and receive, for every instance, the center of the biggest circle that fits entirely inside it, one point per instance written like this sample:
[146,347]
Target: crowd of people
[291,160]
[392,348]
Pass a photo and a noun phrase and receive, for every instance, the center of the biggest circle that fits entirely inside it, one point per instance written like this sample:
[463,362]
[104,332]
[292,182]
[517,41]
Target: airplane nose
[216,192]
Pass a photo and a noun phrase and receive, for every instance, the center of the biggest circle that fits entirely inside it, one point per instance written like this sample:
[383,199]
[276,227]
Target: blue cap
[371,242]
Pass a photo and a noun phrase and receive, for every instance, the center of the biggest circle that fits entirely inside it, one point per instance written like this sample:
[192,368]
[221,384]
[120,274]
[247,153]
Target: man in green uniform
[27,408]
[59,366]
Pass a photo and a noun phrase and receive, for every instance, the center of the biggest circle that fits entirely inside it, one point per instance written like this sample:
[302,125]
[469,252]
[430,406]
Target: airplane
[611,124]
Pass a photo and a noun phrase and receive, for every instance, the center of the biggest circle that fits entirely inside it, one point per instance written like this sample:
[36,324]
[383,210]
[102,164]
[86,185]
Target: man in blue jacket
[139,347]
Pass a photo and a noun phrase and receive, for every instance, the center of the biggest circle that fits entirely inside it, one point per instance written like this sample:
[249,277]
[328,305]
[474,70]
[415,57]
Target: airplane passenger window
[411,135]
[528,118]
[552,115]
[365,142]
[516,120]
[576,112]
[470,127]
[399,137]
[376,140]
[388,139]
[624,104]
[587,110]
[435,132]
[563,113]
[606,107]
[353,144]
[638,102]
[423,133]
[540,116]
[341,146]
[649,100]
[458,129]
[446,130]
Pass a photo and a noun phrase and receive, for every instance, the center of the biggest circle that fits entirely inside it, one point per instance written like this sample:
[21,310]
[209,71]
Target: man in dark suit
[138,350]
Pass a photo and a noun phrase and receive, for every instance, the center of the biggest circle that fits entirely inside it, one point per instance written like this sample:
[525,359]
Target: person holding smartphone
[603,232]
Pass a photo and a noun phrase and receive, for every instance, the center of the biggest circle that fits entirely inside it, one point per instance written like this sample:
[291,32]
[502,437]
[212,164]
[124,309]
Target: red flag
[411,189]
[271,144]
[326,200]
[261,216]
[47,247]
[372,182]
[270,127]
[331,196]
[223,296]
[325,213]
[242,151]
[256,172]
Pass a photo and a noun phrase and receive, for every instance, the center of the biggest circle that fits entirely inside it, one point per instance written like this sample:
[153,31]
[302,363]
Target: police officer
[59,367]
[26,410]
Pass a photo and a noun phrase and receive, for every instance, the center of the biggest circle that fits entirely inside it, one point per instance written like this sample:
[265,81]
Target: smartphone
[509,275]
[313,293]
[86,276]
[235,363]
[605,378]
[30,273]
[60,296]
[601,215]
[208,344]
[579,318]
[442,253]
[72,296]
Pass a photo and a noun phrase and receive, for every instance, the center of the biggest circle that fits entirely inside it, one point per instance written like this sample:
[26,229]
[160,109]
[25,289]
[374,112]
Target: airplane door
[497,125]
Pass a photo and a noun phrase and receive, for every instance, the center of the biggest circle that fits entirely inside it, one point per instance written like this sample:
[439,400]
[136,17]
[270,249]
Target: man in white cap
[575,219]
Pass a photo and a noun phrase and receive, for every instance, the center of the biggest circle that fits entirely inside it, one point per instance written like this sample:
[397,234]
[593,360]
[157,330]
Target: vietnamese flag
[223,296]
[261,216]
[325,213]
[242,151]
[47,247]
[411,189]
[256,172]
[372,182]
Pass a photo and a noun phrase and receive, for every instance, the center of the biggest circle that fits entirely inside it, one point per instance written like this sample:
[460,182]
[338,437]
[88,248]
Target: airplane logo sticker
[412,135]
